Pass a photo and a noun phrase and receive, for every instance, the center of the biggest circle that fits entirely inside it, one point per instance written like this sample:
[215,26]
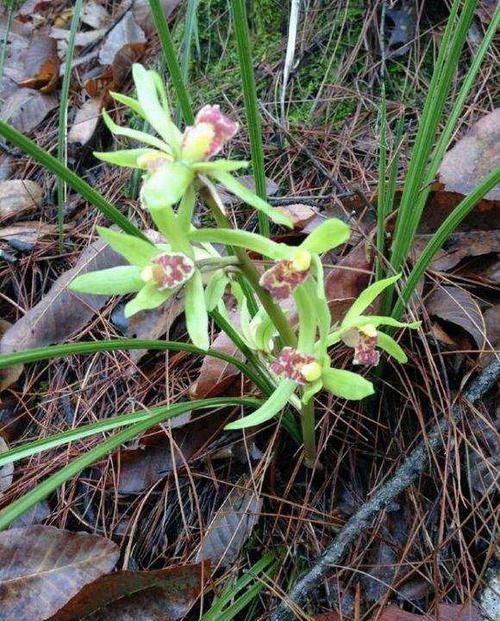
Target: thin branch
[416,463]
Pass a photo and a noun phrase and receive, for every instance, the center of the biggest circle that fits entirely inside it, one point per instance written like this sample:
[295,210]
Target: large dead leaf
[141,11]
[27,234]
[473,157]
[216,375]
[6,472]
[126,32]
[42,567]
[95,15]
[41,64]
[460,246]
[456,306]
[445,612]
[162,595]
[19,197]
[86,121]
[11,374]
[26,108]
[61,312]
[231,526]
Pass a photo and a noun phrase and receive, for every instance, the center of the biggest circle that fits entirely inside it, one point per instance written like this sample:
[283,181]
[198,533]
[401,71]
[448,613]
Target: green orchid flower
[361,331]
[156,273]
[174,160]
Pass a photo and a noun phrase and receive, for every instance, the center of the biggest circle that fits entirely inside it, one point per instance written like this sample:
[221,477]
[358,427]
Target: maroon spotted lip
[290,363]
[282,279]
[176,269]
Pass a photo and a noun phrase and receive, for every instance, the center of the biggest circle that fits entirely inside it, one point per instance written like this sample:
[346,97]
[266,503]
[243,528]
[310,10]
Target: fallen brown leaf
[19,197]
[11,374]
[42,567]
[456,306]
[61,312]
[473,157]
[41,64]
[231,525]
[26,108]
[300,214]
[29,233]
[95,15]
[162,595]
[141,11]
[445,612]
[125,32]
[6,471]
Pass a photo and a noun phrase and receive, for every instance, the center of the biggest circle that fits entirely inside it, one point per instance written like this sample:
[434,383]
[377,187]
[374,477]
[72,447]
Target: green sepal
[147,298]
[149,90]
[136,251]
[196,312]
[113,281]
[223,165]
[126,157]
[247,196]
[391,347]
[310,390]
[270,408]
[308,320]
[134,134]
[214,291]
[378,320]
[168,224]
[346,384]
[130,102]
[367,296]
[327,235]
[166,185]
[242,239]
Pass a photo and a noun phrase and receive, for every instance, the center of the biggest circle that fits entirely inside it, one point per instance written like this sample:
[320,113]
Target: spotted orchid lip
[282,279]
[290,364]
[210,132]
[169,270]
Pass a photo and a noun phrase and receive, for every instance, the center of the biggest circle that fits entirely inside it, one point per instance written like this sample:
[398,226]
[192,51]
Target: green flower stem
[215,263]
[308,433]
[252,275]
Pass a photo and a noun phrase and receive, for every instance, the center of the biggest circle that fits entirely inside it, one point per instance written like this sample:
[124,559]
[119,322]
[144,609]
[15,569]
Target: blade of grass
[41,491]
[446,65]
[440,237]
[251,107]
[62,132]
[59,351]
[65,437]
[171,61]
[187,39]
[382,206]
[72,179]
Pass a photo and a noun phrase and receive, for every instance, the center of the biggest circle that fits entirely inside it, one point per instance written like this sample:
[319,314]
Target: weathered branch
[405,475]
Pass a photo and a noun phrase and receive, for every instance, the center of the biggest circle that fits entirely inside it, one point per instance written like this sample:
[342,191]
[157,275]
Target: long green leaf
[72,179]
[251,106]
[41,491]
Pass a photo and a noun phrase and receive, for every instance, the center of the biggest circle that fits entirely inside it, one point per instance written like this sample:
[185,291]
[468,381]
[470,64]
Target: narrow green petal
[130,102]
[223,165]
[214,291]
[136,251]
[271,407]
[379,320]
[390,346]
[247,196]
[157,113]
[134,134]
[367,296]
[196,312]
[242,239]
[126,157]
[147,298]
[166,185]
[186,208]
[327,235]
[114,281]
[346,384]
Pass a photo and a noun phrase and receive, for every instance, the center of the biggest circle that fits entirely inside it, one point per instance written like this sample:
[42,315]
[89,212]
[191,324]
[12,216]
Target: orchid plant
[284,314]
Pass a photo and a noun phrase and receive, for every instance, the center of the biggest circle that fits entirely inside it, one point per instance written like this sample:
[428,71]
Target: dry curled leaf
[41,64]
[6,472]
[300,215]
[456,306]
[473,157]
[95,15]
[61,312]
[42,567]
[26,108]
[231,525]
[162,595]
[19,197]
[125,32]
[11,374]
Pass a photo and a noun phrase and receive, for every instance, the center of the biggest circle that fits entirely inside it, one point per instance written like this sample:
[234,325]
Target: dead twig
[403,478]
